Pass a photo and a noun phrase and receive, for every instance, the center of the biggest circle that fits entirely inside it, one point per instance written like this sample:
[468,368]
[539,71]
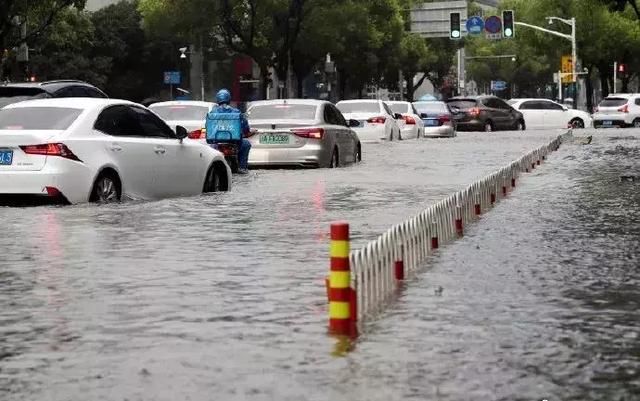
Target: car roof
[361,101]
[184,103]
[397,102]
[622,95]
[527,99]
[428,101]
[69,102]
[49,86]
[309,102]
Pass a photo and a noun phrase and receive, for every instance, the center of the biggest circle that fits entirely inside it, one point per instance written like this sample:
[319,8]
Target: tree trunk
[264,85]
[589,90]
[625,85]
[605,84]
[299,84]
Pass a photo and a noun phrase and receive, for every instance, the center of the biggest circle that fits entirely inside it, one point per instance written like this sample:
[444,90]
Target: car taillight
[409,120]
[444,119]
[313,133]
[50,149]
[377,120]
[198,134]
[624,109]
[474,111]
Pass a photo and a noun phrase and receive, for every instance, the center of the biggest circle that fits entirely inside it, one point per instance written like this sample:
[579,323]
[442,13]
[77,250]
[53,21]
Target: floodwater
[222,297]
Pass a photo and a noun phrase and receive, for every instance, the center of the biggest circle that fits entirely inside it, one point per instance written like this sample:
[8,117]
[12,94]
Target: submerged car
[437,119]
[19,91]
[619,110]
[190,114]
[484,113]
[411,126]
[300,133]
[376,121]
[100,150]
[547,114]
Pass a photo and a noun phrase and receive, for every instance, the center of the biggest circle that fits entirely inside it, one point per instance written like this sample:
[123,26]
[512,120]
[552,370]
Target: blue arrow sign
[493,24]
[475,25]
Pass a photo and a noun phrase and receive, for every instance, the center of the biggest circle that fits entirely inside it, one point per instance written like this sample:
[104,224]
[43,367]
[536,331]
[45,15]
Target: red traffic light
[622,68]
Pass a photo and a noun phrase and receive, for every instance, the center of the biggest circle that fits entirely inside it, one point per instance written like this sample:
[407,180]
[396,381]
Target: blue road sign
[493,24]
[475,25]
[498,85]
[172,77]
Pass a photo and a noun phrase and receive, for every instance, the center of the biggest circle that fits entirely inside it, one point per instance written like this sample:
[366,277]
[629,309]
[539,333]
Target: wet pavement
[222,296]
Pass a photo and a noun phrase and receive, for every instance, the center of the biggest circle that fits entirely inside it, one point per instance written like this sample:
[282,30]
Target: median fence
[362,281]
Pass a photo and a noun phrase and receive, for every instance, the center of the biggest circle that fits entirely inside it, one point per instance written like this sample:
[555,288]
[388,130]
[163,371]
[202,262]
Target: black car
[484,113]
[18,91]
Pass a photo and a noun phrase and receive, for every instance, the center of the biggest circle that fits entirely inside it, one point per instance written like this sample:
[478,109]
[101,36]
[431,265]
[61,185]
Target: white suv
[618,110]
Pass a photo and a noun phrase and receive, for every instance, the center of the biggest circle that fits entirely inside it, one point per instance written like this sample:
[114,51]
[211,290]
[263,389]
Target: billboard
[432,20]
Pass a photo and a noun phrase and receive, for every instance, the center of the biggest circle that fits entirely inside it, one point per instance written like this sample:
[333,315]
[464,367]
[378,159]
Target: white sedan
[75,150]
[547,114]
[375,119]
[411,125]
[191,114]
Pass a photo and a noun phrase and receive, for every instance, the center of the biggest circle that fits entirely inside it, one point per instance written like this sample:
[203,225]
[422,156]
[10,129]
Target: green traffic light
[508,32]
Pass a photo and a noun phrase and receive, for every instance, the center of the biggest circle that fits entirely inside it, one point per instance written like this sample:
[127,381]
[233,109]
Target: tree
[66,51]
[413,56]
[621,5]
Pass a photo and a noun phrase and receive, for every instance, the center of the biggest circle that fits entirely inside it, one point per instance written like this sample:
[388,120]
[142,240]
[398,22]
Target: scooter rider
[223,98]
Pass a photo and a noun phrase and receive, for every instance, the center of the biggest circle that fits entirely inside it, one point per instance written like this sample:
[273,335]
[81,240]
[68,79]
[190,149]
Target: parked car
[547,114]
[411,125]
[436,118]
[19,91]
[301,133]
[484,113]
[375,119]
[619,110]
[190,114]
[101,150]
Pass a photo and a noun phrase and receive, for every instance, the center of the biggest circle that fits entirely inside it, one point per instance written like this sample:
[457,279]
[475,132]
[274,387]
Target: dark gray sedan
[301,133]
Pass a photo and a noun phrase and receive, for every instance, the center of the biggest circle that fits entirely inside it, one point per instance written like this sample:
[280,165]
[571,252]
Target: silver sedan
[301,133]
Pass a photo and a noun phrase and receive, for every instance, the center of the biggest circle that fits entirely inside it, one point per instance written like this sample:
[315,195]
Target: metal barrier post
[340,294]
[399,265]
[459,227]
[434,235]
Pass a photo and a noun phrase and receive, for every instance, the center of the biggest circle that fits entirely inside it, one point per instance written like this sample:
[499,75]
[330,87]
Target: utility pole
[615,76]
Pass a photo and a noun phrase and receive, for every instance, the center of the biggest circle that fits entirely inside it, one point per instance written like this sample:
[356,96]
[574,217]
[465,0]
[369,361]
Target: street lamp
[574,51]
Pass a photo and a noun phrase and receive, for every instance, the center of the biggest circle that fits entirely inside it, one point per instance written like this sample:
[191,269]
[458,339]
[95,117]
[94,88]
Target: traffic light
[622,68]
[508,30]
[454,29]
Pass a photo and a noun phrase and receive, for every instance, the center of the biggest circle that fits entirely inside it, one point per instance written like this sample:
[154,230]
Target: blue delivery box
[223,127]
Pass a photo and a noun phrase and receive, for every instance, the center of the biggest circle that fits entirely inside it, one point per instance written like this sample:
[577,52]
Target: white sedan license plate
[607,123]
[274,139]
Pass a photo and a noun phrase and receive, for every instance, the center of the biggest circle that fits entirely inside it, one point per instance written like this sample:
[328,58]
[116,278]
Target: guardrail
[378,269]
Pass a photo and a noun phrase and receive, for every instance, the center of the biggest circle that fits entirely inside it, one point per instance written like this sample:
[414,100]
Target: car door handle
[159,150]
[115,147]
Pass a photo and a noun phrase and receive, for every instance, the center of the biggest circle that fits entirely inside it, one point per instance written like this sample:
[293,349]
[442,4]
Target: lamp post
[574,50]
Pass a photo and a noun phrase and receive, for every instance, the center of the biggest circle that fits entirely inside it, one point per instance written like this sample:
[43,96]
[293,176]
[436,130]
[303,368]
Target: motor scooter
[230,152]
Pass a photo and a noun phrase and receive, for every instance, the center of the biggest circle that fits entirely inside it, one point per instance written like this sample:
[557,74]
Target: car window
[399,108]
[92,92]
[335,115]
[152,126]
[65,92]
[118,121]
[359,107]
[181,112]
[329,117]
[433,107]
[462,104]
[501,104]
[638,101]
[613,102]
[282,111]
[37,118]
[552,106]
[532,105]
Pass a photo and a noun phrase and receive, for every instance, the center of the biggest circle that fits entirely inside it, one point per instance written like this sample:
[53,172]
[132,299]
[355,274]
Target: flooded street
[223,297]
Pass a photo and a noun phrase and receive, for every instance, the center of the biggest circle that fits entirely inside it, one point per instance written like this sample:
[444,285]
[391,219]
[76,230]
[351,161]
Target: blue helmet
[223,96]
